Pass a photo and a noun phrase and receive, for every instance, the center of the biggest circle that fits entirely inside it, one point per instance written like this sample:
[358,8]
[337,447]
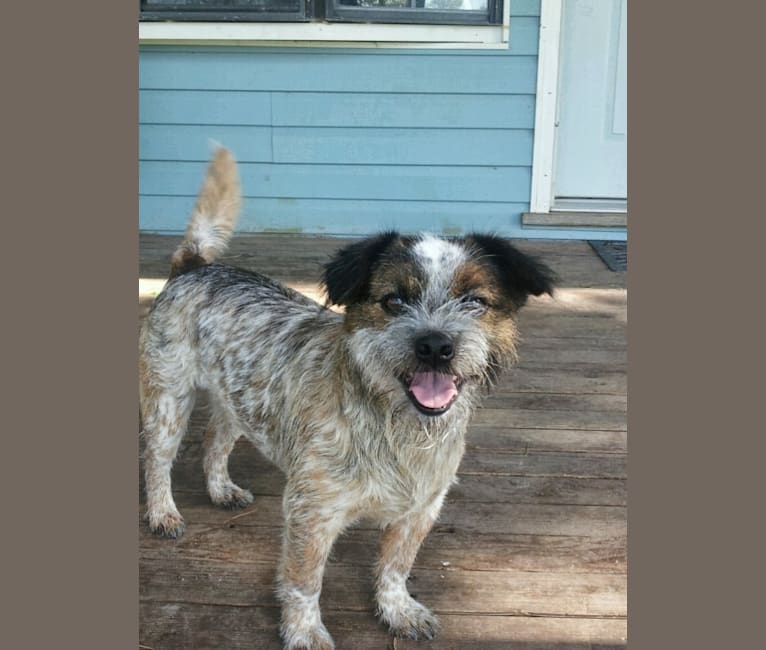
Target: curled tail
[215,214]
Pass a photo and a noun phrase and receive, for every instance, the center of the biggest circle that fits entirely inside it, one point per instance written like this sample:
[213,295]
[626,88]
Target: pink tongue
[432,389]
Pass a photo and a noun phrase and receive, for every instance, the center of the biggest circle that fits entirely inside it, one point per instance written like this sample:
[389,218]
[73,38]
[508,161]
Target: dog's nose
[434,347]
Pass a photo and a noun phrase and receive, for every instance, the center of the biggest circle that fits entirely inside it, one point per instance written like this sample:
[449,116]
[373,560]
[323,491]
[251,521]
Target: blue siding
[252,108]
[403,182]
[346,70]
[345,141]
[338,216]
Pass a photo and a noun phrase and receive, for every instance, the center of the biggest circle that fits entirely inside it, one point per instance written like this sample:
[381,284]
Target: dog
[364,409]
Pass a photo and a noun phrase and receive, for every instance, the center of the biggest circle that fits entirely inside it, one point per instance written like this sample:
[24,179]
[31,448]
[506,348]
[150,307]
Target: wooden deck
[531,548]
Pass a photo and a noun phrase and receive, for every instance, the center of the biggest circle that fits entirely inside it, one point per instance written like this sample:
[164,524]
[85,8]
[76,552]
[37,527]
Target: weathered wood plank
[168,625]
[609,466]
[443,547]
[180,626]
[531,357]
[577,379]
[348,587]
[550,419]
[537,440]
[536,401]
[479,517]
[536,324]
[576,219]
[522,633]
[533,343]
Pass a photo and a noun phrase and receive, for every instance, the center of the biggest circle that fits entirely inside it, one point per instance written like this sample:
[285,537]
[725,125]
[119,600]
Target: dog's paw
[232,497]
[168,524]
[301,638]
[409,619]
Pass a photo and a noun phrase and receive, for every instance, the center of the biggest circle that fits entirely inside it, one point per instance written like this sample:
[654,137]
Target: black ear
[347,276]
[520,274]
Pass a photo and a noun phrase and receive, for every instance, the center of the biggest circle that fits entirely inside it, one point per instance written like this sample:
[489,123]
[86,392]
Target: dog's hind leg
[221,435]
[165,414]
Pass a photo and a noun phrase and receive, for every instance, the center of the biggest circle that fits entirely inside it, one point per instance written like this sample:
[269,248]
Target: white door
[590,169]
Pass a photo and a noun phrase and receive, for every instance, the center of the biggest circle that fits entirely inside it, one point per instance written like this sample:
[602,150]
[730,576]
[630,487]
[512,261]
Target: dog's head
[431,321]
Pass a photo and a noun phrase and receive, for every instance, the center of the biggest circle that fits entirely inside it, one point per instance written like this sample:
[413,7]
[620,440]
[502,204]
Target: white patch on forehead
[440,259]
[437,255]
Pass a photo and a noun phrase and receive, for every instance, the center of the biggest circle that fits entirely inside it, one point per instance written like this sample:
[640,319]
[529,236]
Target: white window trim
[323,34]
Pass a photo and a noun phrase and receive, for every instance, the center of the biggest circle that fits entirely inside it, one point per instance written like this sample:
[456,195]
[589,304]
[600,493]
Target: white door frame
[543,156]
[546,113]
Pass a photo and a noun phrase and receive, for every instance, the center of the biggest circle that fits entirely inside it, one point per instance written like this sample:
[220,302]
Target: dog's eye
[393,303]
[475,303]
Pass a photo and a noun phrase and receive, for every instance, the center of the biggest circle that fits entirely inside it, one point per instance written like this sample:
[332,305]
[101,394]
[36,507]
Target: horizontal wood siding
[404,110]
[345,141]
[331,216]
[404,182]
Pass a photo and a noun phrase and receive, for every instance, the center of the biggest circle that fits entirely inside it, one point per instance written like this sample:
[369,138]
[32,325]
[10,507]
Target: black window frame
[304,13]
[420,16]
[332,11]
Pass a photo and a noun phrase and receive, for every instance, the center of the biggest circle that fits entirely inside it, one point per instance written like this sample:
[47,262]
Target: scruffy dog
[365,412]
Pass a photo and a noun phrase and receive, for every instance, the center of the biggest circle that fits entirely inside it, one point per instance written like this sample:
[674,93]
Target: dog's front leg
[312,522]
[400,542]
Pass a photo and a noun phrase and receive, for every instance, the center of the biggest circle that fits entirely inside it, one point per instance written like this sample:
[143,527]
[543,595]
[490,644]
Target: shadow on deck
[531,548]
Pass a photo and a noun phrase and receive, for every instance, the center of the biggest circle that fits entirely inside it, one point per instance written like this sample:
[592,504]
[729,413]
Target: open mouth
[432,393]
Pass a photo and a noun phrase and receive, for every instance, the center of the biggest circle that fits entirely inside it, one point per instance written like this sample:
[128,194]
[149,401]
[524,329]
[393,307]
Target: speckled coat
[365,411]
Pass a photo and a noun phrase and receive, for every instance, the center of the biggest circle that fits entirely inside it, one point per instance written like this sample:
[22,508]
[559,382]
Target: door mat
[614,253]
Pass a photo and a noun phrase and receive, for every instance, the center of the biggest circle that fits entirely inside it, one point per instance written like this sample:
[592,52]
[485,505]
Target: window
[470,12]
[225,10]
[454,12]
